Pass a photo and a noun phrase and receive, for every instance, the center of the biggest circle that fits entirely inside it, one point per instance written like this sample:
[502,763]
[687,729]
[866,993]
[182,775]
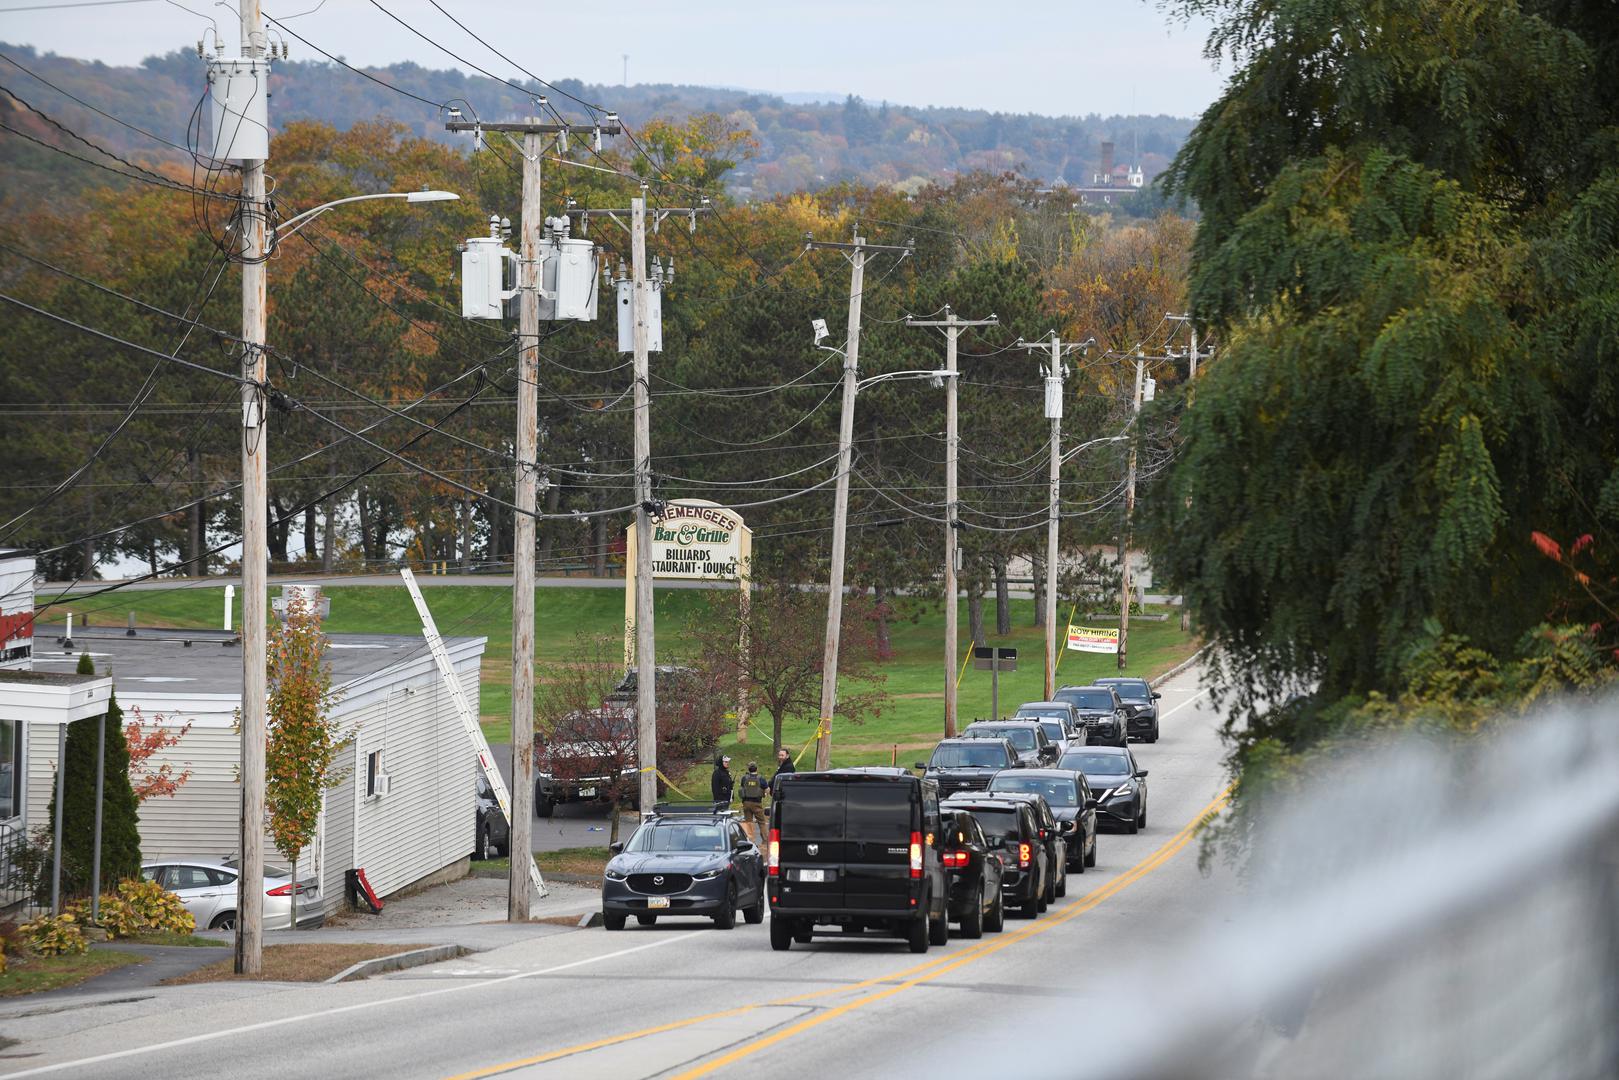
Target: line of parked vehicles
[993,823]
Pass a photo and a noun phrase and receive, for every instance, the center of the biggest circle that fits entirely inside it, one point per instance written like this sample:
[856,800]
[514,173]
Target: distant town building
[1113,180]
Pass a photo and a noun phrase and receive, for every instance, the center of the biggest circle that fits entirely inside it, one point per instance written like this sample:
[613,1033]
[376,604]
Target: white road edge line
[263,1024]
[1185,703]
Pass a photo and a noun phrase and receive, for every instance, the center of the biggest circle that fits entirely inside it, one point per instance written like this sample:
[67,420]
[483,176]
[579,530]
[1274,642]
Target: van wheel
[801,934]
[646,920]
[939,929]
[917,937]
[612,920]
[972,924]
[781,937]
[995,921]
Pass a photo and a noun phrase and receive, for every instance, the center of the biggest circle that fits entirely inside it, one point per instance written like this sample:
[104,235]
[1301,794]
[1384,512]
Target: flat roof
[161,659]
[47,678]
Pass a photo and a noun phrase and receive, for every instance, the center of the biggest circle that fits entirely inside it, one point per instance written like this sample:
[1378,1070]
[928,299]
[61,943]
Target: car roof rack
[689,809]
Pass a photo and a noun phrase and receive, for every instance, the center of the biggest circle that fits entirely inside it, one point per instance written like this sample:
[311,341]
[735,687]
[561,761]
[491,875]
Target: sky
[1052,57]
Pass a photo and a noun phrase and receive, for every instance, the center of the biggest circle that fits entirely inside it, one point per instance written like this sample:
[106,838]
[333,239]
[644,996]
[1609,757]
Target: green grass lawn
[915,673]
[31,974]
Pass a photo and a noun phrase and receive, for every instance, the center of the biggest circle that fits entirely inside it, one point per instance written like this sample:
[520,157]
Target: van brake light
[775,852]
[916,856]
[955,860]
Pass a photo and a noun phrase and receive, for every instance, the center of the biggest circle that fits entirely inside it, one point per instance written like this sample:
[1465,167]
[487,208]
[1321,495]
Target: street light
[293,224]
[257,241]
[840,525]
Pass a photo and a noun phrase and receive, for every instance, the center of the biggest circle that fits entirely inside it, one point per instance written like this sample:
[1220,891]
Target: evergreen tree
[120,831]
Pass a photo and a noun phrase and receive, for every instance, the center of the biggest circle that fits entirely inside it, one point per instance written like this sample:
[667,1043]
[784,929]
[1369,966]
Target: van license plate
[657,901]
[812,875]
[587,793]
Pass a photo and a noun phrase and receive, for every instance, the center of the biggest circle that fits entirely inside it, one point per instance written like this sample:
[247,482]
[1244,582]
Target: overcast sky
[1054,57]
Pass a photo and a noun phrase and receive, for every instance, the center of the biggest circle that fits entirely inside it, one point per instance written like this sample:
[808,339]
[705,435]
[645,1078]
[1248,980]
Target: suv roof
[687,811]
[1113,680]
[1044,705]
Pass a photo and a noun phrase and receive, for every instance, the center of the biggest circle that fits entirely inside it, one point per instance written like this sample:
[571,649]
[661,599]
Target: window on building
[11,766]
[373,773]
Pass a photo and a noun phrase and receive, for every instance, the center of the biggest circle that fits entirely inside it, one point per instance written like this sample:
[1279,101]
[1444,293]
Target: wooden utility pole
[953,326]
[856,253]
[1055,374]
[1129,512]
[251,221]
[646,652]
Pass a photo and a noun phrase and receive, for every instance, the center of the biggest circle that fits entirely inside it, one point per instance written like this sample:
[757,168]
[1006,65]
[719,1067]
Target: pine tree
[120,830]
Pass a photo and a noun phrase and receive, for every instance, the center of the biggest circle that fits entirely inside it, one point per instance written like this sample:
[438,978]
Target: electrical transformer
[568,280]
[239,89]
[626,319]
[486,267]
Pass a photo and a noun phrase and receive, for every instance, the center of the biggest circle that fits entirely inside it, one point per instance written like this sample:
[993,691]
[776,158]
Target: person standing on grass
[720,784]
[752,791]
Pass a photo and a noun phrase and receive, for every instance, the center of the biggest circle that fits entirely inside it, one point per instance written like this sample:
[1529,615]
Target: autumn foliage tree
[303,740]
[146,739]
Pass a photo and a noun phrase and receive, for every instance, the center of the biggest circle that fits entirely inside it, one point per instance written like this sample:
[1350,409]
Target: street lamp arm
[293,224]
[874,379]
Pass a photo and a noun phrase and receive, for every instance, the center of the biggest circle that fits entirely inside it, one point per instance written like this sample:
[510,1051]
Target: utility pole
[1055,373]
[953,325]
[255,538]
[520,887]
[646,655]
[856,254]
[1129,511]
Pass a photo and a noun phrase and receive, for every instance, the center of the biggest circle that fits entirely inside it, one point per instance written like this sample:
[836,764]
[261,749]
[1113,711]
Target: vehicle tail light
[1025,854]
[285,890]
[916,856]
[955,860]
[775,852]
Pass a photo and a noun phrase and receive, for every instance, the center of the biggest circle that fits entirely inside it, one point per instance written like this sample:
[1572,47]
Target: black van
[856,849]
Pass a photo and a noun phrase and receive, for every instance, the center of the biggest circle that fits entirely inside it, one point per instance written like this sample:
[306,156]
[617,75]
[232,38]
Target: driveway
[571,825]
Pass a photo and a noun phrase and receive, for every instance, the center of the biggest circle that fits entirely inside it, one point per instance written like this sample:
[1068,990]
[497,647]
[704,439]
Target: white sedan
[208,889]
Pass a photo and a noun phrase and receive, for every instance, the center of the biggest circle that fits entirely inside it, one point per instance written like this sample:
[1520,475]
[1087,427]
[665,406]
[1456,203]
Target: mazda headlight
[614,874]
[706,875]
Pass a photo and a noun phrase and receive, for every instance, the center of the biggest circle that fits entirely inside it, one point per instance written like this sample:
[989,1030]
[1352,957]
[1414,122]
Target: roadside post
[994,659]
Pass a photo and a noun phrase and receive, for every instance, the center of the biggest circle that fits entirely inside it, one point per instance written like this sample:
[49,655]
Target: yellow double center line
[898,981]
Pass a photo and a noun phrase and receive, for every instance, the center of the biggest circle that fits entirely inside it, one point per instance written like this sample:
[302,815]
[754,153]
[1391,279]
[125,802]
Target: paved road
[685,1001]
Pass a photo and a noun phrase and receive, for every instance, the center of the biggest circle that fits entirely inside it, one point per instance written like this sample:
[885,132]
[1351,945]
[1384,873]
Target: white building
[16,608]
[405,809]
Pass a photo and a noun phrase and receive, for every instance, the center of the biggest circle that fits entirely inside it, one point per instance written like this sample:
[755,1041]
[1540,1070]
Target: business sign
[1087,639]
[695,538]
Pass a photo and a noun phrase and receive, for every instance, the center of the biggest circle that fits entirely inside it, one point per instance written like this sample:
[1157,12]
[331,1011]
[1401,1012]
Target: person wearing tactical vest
[751,789]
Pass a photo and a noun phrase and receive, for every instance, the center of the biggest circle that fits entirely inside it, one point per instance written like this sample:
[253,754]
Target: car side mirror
[1090,803]
[1142,775]
[1156,695]
[922,765]
[616,847]
[743,844]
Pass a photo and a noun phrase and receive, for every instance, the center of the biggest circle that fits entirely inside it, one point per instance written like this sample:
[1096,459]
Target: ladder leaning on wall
[469,720]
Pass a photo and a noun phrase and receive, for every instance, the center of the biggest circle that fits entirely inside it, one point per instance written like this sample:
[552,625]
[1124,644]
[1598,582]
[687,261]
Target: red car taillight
[955,860]
[775,852]
[916,856]
[1025,854]
[285,890]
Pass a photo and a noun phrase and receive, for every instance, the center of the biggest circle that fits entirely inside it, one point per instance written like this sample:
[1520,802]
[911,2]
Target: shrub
[59,936]
[10,938]
[138,907]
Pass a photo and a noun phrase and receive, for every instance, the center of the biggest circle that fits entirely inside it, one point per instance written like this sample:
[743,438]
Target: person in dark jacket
[752,792]
[720,784]
[784,765]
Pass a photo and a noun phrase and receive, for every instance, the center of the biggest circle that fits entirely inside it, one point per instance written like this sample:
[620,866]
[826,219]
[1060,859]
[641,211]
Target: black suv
[975,875]
[1101,710]
[684,861]
[1011,828]
[1051,835]
[1028,737]
[1140,706]
[855,849]
[968,764]
[1071,802]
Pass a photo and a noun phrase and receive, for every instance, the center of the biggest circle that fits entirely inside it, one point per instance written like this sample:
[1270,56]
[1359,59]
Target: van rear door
[881,816]
[809,818]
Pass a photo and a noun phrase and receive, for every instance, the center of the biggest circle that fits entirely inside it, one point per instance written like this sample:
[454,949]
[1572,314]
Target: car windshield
[1136,691]
[1096,764]
[957,756]
[1034,712]
[681,837]
[1090,699]
[999,826]
[1057,792]
[1022,738]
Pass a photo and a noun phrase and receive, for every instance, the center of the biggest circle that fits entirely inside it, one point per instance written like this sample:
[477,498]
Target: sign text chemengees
[695,539]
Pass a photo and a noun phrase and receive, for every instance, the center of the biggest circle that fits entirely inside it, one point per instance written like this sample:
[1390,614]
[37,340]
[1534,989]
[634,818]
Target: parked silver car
[208,889]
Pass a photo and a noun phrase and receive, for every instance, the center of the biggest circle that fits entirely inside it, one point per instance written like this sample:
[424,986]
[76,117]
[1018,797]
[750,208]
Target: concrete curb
[1182,666]
[399,961]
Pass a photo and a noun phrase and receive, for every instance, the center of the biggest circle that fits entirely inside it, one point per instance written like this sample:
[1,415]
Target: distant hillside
[802,144]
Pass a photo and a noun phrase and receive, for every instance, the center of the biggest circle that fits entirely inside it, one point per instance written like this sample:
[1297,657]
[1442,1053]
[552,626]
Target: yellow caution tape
[665,779]
[1061,651]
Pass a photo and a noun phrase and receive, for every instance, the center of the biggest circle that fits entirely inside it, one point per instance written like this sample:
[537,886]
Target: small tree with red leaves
[147,738]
